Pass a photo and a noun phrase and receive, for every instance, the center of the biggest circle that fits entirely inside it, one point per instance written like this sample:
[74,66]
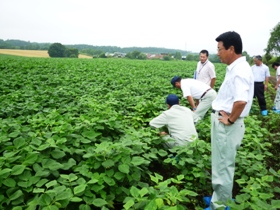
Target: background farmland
[74,134]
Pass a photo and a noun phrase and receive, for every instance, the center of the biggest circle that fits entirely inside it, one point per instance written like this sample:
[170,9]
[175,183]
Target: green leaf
[5,171]
[30,158]
[76,199]
[43,147]
[108,163]
[45,200]
[275,204]
[128,204]
[72,177]
[57,153]
[151,205]
[134,191]
[143,192]
[17,208]
[99,202]
[118,175]
[90,134]
[51,183]
[64,195]
[38,190]
[71,162]
[52,207]
[9,182]
[109,180]
[41,182]
[137,161]
[19,142]
[16,195]
[124,168]
[162,152]
[159,203]
[17,169]
[79,189]
[84,207]
[14,134]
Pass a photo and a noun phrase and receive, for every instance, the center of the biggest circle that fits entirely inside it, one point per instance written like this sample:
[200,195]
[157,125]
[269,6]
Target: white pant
[225,140]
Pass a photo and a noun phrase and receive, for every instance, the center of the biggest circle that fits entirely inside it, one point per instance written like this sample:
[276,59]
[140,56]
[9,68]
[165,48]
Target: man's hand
[265,87]
[163,133]
[224,118]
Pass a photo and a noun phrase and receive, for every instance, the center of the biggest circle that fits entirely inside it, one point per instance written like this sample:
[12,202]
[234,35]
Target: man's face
[257,62]
[202,57]
[178,85]
[222,53]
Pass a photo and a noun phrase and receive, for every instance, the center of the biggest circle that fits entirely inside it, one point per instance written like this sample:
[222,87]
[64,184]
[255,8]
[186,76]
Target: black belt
[258,82]
[214,111]
[205,93]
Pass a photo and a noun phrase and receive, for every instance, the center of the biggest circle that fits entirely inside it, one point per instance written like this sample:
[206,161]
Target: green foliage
[56,50]
[136,55]
[74,134]
[71,53]
[273,45]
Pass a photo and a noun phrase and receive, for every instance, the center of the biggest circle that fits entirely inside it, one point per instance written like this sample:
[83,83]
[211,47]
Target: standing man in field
[261,75]
[231,105]
[276,107]
[194,89]
[205,70]
[179,121]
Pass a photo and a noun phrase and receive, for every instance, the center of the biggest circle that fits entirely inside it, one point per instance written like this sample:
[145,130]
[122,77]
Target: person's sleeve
[242,87]
[267,73]
[159,121]
[212,72]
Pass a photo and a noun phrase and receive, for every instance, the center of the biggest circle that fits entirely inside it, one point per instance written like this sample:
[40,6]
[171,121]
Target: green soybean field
[75,134]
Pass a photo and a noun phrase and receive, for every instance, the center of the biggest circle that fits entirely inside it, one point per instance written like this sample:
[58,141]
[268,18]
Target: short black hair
[275,64]
[231,38]
[204,52]
[258,57]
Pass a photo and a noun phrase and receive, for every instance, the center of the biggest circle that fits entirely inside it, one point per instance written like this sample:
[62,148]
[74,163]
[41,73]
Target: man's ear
[168,106]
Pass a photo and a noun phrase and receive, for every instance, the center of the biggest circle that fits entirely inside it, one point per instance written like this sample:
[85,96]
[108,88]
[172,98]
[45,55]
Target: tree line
[272,52]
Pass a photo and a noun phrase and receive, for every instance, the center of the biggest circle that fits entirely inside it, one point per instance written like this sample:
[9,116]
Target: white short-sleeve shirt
[238,85]
[278,74]
[205,72]
[260,72]
[194,88]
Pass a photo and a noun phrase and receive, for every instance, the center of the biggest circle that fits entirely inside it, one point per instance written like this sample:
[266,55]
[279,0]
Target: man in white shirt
[231,105]
[194,89]
[276,66]
[261,75]
[179,121]
[205,70]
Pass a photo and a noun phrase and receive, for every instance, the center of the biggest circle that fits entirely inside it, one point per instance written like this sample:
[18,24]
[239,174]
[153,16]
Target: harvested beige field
[31,53]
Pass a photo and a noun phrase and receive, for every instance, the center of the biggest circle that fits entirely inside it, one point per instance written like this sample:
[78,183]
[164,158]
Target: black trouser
[259,93]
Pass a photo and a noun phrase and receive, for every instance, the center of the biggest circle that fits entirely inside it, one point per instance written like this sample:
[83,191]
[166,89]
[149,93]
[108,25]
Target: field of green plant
[74,134]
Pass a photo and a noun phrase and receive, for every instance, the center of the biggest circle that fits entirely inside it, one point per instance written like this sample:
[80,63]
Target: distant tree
[56,50]
[178,56]
[273,46]
[244,53]
[136,55]
[71,53]
[102,55]
[190,57]
[142,56]
[167,58]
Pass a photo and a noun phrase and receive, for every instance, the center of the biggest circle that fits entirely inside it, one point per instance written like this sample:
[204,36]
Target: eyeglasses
[219,49]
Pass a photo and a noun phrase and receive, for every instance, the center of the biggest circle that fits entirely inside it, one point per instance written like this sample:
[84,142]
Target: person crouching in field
[179,121]
[194,89]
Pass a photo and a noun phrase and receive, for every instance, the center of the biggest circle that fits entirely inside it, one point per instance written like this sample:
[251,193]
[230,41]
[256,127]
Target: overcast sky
[178,24]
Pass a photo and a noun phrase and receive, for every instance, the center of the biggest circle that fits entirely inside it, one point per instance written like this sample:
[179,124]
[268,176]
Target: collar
[236,62]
